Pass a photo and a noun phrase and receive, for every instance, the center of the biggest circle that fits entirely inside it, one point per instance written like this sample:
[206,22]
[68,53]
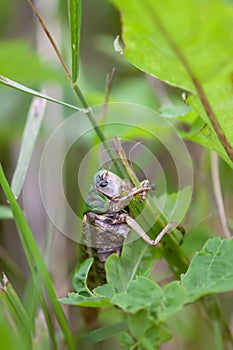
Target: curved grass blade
[31,130]
[17,86]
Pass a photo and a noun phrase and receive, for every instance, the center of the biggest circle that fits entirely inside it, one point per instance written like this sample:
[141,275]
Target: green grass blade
[75,17]
[5,212]
[14,306]
[35,260]
[31,130]
[20,87]
[9,337]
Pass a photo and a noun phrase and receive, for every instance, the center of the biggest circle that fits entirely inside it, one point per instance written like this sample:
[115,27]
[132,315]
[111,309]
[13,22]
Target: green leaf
[17,86]
[106,290]
[139,295]
[126,340]
[139,323]
[5,213]
[99,297]
[84,300]
[121,270]
[75,16]
[210,270]
[20,62]
[173,298]
[148,333]
[136,258]
[154,336]
[30,133]
[79,279]
[188,45]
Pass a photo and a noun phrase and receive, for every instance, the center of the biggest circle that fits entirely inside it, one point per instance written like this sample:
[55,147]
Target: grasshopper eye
[103,183]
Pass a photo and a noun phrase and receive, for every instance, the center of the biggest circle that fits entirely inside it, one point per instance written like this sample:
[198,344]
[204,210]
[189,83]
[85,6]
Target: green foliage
[10,339]
[210,270]
[35,261]
[147,305]
[83,296]
[186,44]
[14,306]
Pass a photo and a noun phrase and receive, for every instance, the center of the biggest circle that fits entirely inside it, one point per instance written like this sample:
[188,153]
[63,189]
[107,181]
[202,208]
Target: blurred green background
[27,57]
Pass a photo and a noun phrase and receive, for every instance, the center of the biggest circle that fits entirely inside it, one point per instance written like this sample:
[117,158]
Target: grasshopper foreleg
[141,191]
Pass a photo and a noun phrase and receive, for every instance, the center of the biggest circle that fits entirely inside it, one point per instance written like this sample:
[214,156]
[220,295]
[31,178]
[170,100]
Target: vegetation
[169,100]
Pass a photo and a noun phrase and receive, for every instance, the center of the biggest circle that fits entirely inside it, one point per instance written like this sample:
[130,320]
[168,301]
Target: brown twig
[75,87]
[125,162]
[52,41]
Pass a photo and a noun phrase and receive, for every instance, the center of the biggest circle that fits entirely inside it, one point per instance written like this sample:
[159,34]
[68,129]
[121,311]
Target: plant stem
[218,193]
[177,260]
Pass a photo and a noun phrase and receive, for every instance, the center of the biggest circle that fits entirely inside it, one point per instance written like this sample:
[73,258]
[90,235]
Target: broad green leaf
[210,270]
[144,294]
[155,336]
[20,62]
[173,298]
[30,133]
[147,333]
[139,323]
[75,16]
[152,44]
[17,86]
[106,290]
[203,133]
[126,340]
[79,279]
[114,272]
[5,213]
[121,270]
[99,297]
[139,295]
[189,45]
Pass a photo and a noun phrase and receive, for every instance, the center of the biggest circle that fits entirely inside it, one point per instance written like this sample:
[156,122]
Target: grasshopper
[106,222]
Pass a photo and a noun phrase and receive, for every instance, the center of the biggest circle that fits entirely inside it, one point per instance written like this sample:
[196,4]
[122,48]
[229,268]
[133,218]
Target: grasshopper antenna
[111,165]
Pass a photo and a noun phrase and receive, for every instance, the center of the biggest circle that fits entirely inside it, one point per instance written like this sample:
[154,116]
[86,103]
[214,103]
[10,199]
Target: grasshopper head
[109,184]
